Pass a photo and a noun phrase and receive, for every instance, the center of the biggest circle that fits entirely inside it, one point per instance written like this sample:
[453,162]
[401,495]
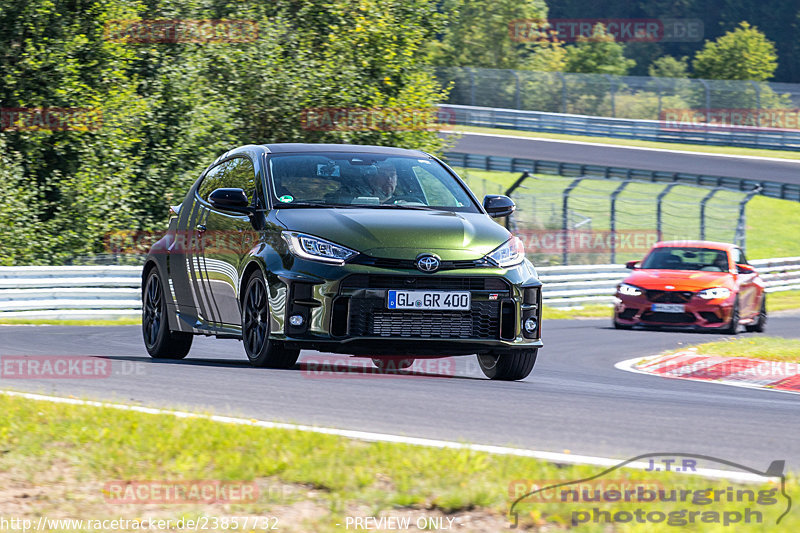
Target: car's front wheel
[733,326]
[510,366]
[160,342]
[260,350]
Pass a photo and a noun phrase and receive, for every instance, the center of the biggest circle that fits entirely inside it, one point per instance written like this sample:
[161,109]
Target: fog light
[531,324]
[296,320]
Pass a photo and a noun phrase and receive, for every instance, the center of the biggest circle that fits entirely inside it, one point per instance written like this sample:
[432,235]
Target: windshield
[705,259]
[365,180]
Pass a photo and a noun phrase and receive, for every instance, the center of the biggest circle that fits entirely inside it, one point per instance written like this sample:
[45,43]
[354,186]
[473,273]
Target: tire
[761,324]
[617,325]
[510,366]
[733,326]
[260,350]
[160,342]
[392,364]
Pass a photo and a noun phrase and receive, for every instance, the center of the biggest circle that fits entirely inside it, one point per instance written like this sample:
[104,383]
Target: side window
[738,257]
[237,173]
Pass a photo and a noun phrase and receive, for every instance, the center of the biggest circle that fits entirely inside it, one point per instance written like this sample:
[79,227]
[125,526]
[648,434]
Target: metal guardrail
[89,292]
[772,189]
[622,128]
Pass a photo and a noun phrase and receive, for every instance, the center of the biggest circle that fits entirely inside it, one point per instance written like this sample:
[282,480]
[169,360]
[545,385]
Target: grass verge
[700,148]
[62,457]
[767,348]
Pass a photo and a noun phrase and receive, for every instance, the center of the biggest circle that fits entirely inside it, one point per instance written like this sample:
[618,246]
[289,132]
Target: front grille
[370,318]
[424,282]
[410,264]
[669,318]
[669,297]
[628,313]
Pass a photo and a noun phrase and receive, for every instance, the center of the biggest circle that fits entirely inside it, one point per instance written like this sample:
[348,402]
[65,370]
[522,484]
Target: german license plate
[429,300]
[668,308]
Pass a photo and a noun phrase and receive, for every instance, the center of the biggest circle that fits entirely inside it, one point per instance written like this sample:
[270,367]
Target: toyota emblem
[428,263]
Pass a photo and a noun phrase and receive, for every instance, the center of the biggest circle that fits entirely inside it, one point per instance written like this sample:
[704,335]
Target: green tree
[741,54]
[669,67]
[477,33]
[598,54]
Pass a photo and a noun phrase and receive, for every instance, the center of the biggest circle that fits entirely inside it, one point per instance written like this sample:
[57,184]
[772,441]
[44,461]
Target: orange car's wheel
[733,326]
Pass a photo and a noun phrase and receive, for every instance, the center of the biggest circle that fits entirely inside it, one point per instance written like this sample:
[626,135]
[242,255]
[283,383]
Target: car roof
[281,148]
[695,244]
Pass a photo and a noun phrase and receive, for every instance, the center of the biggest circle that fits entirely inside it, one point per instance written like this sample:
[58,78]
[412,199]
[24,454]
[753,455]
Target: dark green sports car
[362,250]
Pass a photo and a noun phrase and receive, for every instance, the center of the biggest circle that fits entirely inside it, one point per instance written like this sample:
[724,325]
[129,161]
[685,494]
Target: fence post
[517,90]
[758,102]
[611,88]
[614,219]
[741,227]
[659,211]
[563,92]
[658,86]
[565,219]
[703,203]
[472,87]
[708,105]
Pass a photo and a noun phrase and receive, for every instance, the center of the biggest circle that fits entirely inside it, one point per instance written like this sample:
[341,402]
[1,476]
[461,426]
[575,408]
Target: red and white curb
[779,376]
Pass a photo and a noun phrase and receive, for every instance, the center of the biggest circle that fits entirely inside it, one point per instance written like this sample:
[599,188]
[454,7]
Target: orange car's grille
[669,297]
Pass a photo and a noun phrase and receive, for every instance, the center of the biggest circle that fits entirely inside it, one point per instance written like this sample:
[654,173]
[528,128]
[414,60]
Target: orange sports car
[708,285]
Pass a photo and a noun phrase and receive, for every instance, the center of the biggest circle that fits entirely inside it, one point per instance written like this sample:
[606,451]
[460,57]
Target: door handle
[201,228]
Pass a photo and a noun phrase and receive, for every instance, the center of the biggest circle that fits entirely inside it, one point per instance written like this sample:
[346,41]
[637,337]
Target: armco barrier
[90,292]
[621,128]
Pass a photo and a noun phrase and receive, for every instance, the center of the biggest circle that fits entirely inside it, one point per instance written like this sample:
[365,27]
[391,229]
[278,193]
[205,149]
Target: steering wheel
[406,198]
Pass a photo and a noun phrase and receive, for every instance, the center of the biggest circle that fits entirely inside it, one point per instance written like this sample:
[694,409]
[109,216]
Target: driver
[384,182]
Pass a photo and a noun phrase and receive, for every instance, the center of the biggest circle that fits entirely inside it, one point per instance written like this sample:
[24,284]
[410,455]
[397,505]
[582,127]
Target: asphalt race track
[787,170]
[575,399]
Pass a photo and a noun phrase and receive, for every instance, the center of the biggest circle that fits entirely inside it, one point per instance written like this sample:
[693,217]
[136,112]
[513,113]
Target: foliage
[669,67]
[169,109]
[598,54]
[742,54]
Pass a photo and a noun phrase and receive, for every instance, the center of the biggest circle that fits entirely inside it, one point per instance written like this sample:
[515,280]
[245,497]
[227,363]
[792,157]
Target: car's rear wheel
[733,326]
[160,342]
[761,322]
[260,350]
[510,366]
[392,364]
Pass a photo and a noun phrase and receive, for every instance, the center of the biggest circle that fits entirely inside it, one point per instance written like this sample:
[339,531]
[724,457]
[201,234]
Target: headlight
[715,293]
[508,254]
[629,290]
[316,249]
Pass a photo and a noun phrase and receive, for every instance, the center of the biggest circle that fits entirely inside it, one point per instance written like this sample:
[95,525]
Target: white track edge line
[607,145]
[386,437]
[628,366]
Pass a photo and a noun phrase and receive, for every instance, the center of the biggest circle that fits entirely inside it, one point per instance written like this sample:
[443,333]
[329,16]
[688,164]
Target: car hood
[679,280]
[400,234]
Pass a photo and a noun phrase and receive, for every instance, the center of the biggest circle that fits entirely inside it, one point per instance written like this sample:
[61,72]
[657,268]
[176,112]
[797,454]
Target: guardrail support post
[703,203]
[565,219]
[614,219]
[741,226]
[659,212]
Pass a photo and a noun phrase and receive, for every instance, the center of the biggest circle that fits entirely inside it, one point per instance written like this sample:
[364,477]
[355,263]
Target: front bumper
[638,310]
[343,310]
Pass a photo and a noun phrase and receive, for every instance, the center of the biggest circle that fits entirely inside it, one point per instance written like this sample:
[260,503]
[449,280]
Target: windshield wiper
[399,206]
[313,204]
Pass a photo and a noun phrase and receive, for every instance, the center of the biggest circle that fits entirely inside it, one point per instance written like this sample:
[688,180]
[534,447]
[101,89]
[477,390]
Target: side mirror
[745,269]
[230,200]
[631,265]
[497,205]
